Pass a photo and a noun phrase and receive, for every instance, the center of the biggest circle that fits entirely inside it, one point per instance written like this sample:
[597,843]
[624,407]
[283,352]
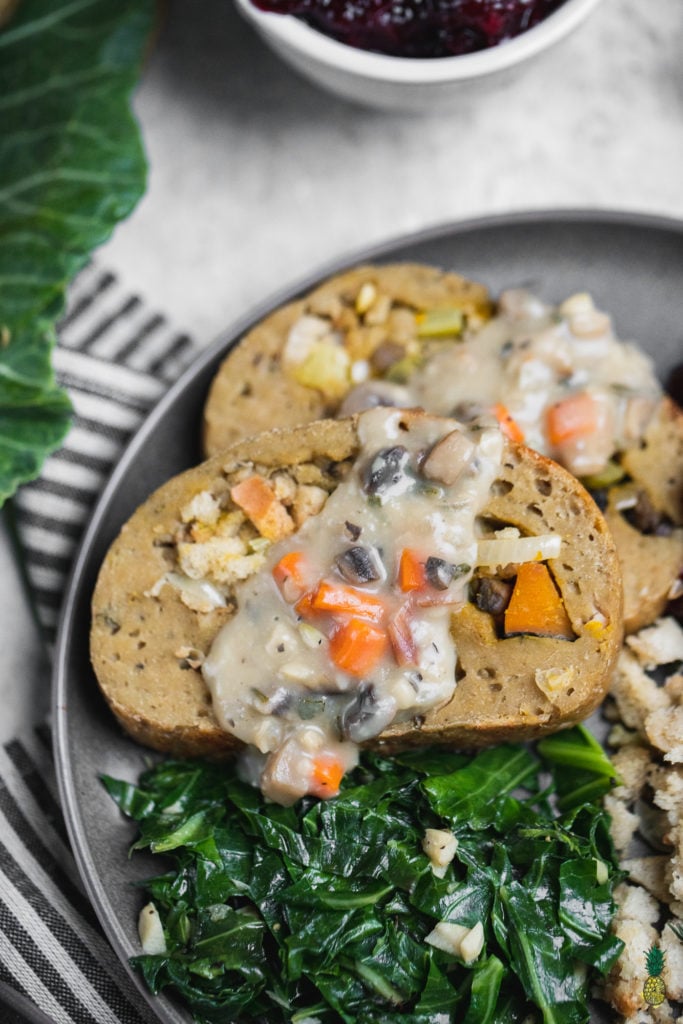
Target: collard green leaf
[586,771]
[318,889]
[438,997]
[471,794]
[71,167]
[586,909]
[486,982]
[538,949]
[332,902]
[401,959]
[235,937]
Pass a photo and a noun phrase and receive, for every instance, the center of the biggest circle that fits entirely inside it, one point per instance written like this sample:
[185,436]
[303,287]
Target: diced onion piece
[515,550]
[303,335]
[299,672]
[311,636]
[199,595]
[151,931]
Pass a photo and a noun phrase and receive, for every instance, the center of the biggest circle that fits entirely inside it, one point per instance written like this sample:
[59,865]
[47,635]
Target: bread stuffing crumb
[623,823]
[652,873]
[636,693]
[659,644]
[649,760]
[632,763]
[664,729]
[672,947]
[636,913]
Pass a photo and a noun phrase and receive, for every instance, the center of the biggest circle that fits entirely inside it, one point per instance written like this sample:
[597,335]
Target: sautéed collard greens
[321,911]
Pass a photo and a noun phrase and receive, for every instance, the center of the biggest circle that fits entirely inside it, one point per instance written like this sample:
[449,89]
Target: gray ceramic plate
[633,266]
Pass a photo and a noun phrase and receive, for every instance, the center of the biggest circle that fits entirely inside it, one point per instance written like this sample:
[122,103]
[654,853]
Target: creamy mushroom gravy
[531,357]
[320,659]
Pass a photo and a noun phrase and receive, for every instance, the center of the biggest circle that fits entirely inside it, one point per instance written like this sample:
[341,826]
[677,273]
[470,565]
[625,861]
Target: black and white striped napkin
[115,358]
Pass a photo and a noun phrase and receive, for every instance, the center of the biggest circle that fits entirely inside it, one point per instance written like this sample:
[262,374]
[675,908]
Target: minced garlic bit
[151,931]
[473,943]
[447,936]
[440,846]
[458,939]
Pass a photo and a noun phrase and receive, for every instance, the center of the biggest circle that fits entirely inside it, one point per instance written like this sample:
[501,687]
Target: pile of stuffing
[646,709]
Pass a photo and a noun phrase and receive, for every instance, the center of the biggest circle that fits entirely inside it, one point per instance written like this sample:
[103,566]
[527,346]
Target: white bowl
[404,83]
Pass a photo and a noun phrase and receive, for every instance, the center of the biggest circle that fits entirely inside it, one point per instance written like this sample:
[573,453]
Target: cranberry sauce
[417,28]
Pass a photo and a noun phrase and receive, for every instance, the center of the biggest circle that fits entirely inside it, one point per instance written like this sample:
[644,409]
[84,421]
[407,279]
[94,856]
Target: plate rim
[68,796]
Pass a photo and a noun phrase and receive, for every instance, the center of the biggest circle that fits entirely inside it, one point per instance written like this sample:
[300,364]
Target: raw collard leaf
[71,167]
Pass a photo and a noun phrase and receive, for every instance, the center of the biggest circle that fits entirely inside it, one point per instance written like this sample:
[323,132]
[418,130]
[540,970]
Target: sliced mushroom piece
[448,458]
[359,564]
[372,393]
[492,595]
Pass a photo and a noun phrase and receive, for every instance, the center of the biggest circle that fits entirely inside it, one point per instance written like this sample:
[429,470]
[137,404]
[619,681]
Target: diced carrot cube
[357,646]
[326,776]
[290,575]
[338,598]
[574,416]
[509,426]
[411,571]
[304,606]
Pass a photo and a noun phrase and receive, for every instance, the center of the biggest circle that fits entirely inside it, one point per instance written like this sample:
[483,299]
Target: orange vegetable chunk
[574,416]
[536,607]
[257,499]
[326,776]
[508,425]
[304,606]
[411,571]
[340,599]
[357,646]
[290,575]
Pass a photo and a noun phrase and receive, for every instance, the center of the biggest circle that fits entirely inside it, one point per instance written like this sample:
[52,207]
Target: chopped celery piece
[440,323]
[611,474]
